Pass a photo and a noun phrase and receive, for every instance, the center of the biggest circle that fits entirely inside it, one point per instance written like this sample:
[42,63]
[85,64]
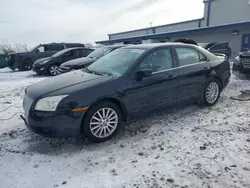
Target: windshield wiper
[97,73]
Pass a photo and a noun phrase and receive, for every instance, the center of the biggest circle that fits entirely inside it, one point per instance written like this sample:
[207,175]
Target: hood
[65,83]
[42,60]
[78,62]
[22,54]
[245,54]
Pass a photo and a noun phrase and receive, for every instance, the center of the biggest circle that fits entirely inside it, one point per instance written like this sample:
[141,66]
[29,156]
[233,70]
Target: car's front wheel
[102,121]
[211,92]
[53,70]
[25,65]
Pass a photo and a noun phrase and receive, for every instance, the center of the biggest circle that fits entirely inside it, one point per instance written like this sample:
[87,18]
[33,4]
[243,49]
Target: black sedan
[49,66]
[86,61]
[127,83]
[242,62]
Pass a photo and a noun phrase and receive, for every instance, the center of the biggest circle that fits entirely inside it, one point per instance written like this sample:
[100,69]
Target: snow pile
[182,147]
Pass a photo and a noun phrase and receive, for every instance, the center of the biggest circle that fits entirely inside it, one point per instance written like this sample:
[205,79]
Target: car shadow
[241,76]
[58,146]
[29,143]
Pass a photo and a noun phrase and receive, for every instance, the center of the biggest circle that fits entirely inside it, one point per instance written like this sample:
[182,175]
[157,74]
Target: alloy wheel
[104,122]
[54,70]
[212,92]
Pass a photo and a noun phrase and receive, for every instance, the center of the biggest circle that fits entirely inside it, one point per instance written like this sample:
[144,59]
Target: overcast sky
[37,21]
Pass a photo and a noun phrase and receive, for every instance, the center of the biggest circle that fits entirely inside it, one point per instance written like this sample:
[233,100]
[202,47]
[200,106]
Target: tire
[53,70]
[25,65]
[94,130]
[211,93]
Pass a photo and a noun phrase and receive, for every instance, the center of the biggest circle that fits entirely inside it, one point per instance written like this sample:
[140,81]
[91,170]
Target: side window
[202,57]
[159,60]
[77,53]
[41,49]
[85,52]
[187,56]
[55,47]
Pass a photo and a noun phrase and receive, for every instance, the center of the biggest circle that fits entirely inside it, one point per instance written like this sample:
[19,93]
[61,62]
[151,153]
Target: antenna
[151,24]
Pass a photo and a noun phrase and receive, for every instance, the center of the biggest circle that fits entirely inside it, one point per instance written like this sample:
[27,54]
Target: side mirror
[143,73]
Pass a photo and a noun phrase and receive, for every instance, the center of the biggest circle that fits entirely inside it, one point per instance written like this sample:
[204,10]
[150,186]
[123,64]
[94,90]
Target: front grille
[246,63]
[10,60]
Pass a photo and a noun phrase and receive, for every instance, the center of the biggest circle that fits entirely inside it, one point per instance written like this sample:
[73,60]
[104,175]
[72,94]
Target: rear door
[193,70]
[221,48]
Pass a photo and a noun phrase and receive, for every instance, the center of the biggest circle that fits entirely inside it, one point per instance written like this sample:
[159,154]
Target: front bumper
[39,69]
[61,123]
[240,68]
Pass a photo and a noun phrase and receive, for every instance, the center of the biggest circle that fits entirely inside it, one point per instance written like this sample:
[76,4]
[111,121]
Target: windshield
[116,63]
[100,52]
[61,53]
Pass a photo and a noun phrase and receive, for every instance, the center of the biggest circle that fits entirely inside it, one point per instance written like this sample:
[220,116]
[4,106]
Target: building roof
[171,24]
[174,33]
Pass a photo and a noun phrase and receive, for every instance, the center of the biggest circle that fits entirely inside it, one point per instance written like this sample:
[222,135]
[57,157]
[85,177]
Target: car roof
[114,46]
[76,48]
[155,45]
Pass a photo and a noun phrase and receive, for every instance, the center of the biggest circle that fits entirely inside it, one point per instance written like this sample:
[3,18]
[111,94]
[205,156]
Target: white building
[224,20]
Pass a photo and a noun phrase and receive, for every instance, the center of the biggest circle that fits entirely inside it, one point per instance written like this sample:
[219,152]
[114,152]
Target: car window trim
[192,64]
[171,69]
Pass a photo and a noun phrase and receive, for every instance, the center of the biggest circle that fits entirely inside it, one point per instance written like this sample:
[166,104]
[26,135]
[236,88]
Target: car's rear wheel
[25,65]
[53,70]
[211,92]
[102,121]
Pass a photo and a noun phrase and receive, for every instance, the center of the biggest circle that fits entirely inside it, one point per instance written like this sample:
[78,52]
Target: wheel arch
[220,81]
[115,101]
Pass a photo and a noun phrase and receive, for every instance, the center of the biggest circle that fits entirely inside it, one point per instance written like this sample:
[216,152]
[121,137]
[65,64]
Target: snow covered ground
[183,147]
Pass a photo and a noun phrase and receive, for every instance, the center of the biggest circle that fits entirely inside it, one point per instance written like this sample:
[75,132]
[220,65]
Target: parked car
[24,61]
[242,62]
[49,66]
[213,47]
[91,58]
[3,59]
[127,83]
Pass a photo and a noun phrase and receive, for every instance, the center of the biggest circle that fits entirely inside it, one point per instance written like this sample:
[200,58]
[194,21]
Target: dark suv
[24,61]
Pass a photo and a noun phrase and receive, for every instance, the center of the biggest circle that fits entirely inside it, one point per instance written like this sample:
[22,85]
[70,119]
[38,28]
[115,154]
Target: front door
[245,43]
[193,69]
[157,90]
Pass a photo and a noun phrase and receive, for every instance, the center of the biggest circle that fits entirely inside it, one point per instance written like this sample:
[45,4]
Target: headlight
[237,58]
[49,104]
